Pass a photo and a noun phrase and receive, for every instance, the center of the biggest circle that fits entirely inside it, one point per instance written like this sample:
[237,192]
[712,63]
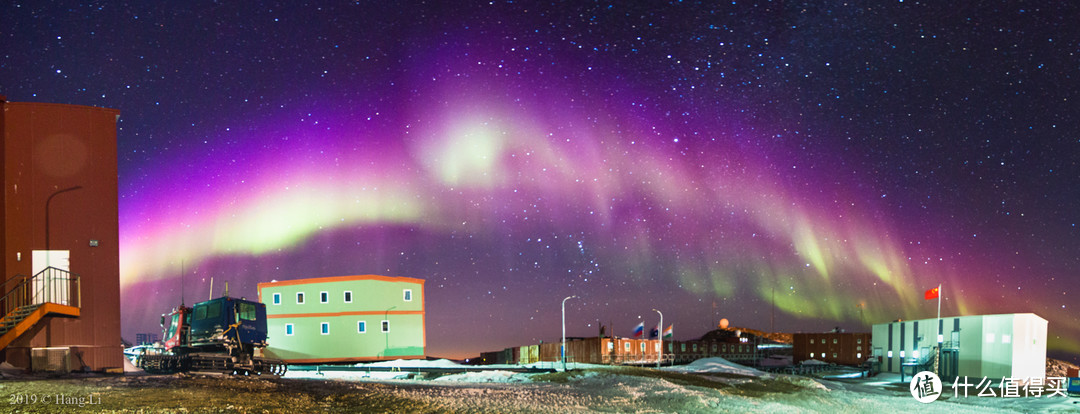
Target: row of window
[324,327]
[823,355]
[857,340]
[723,348]
[324,297]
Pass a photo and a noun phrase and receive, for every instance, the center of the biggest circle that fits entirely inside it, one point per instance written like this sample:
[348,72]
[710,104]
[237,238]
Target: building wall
[50,147]
[1007,345]
[374,299]
[732,349]
[834,347]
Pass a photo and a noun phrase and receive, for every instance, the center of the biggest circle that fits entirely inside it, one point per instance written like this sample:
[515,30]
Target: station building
[994,346]
[60,274]
[344,319]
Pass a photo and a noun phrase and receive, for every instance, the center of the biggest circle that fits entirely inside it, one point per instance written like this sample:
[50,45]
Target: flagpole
[940,336]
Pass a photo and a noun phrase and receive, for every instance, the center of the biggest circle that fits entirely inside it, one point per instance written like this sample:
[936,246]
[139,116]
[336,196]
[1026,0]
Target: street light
[564,331]
[660,335]
[49,200]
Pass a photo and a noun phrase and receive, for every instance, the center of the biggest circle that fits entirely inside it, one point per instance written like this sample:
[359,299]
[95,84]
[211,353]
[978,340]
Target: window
[990,338]
[386,326]
[277,298]
[324,297]
[408,295]
[643,347]
[299,298]
[901,353]
[626,346]
[714,347]
[858,348]
[246,311]
[811,341]
[890,353]
[361,327]
[811,355]
[834,354]
[348,296]
[682,347]
[1005,339]
[288,329]
[670,347]
[834,342]
[858,355]
[611,346]
[695,347]
[724,348]
[858,341]
[324,328]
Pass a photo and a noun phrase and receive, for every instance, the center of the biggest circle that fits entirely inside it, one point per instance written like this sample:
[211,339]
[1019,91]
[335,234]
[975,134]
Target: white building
[994,346]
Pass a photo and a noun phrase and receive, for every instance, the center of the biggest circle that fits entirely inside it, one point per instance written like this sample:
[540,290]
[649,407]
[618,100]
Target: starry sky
[788,166]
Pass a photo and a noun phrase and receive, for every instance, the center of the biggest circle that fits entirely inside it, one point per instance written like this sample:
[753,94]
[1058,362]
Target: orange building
[61,267]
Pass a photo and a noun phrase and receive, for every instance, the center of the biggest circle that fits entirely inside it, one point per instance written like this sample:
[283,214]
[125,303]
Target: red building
[61,264]
[835,347]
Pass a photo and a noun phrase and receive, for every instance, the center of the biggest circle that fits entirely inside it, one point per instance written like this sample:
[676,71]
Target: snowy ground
[711,385]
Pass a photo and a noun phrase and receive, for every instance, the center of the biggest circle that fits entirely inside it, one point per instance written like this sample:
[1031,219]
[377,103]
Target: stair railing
[51,285]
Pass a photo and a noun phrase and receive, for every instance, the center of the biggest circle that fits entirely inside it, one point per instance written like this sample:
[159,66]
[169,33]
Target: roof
[332,279]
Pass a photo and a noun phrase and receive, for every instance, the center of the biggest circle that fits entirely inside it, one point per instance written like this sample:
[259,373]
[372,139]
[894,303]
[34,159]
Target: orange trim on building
[332,314]
[341,279]
[353,359]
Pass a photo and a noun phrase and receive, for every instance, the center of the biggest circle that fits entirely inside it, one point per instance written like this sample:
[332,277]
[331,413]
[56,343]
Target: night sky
[701,159]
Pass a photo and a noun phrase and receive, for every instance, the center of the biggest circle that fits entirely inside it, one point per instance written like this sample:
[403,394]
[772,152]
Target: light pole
[660,335]
[49,200]
[564,331]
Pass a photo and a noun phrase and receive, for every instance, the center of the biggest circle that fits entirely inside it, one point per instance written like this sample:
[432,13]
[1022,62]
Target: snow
[413,363]
[715,365]
[814,362]
[486,376]
[608,388]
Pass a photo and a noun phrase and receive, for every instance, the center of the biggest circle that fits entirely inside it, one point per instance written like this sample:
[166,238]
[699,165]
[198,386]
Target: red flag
[933,293]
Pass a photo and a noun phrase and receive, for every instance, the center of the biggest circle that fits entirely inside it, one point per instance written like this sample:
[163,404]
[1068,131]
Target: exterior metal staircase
[51,292]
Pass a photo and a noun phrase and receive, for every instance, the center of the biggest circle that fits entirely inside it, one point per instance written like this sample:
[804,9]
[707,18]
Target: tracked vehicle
[223,335]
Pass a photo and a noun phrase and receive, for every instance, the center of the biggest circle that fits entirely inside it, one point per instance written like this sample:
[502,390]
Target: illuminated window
[901,353]
[915,354]
[990,338]
[324,297]
[626,347]
[324,328]
[408,295]
[361,327]
[811,340]
[348,296]
[299,298]
[811,355]
[288,329]
[858,355]
[834,340]
[611,346]
[834,354]
[890,353]
[277,298]
[643,347]
[1005,339]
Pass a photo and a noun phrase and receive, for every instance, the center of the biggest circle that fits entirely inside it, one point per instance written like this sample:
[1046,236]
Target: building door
[950,359]
[51,286]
